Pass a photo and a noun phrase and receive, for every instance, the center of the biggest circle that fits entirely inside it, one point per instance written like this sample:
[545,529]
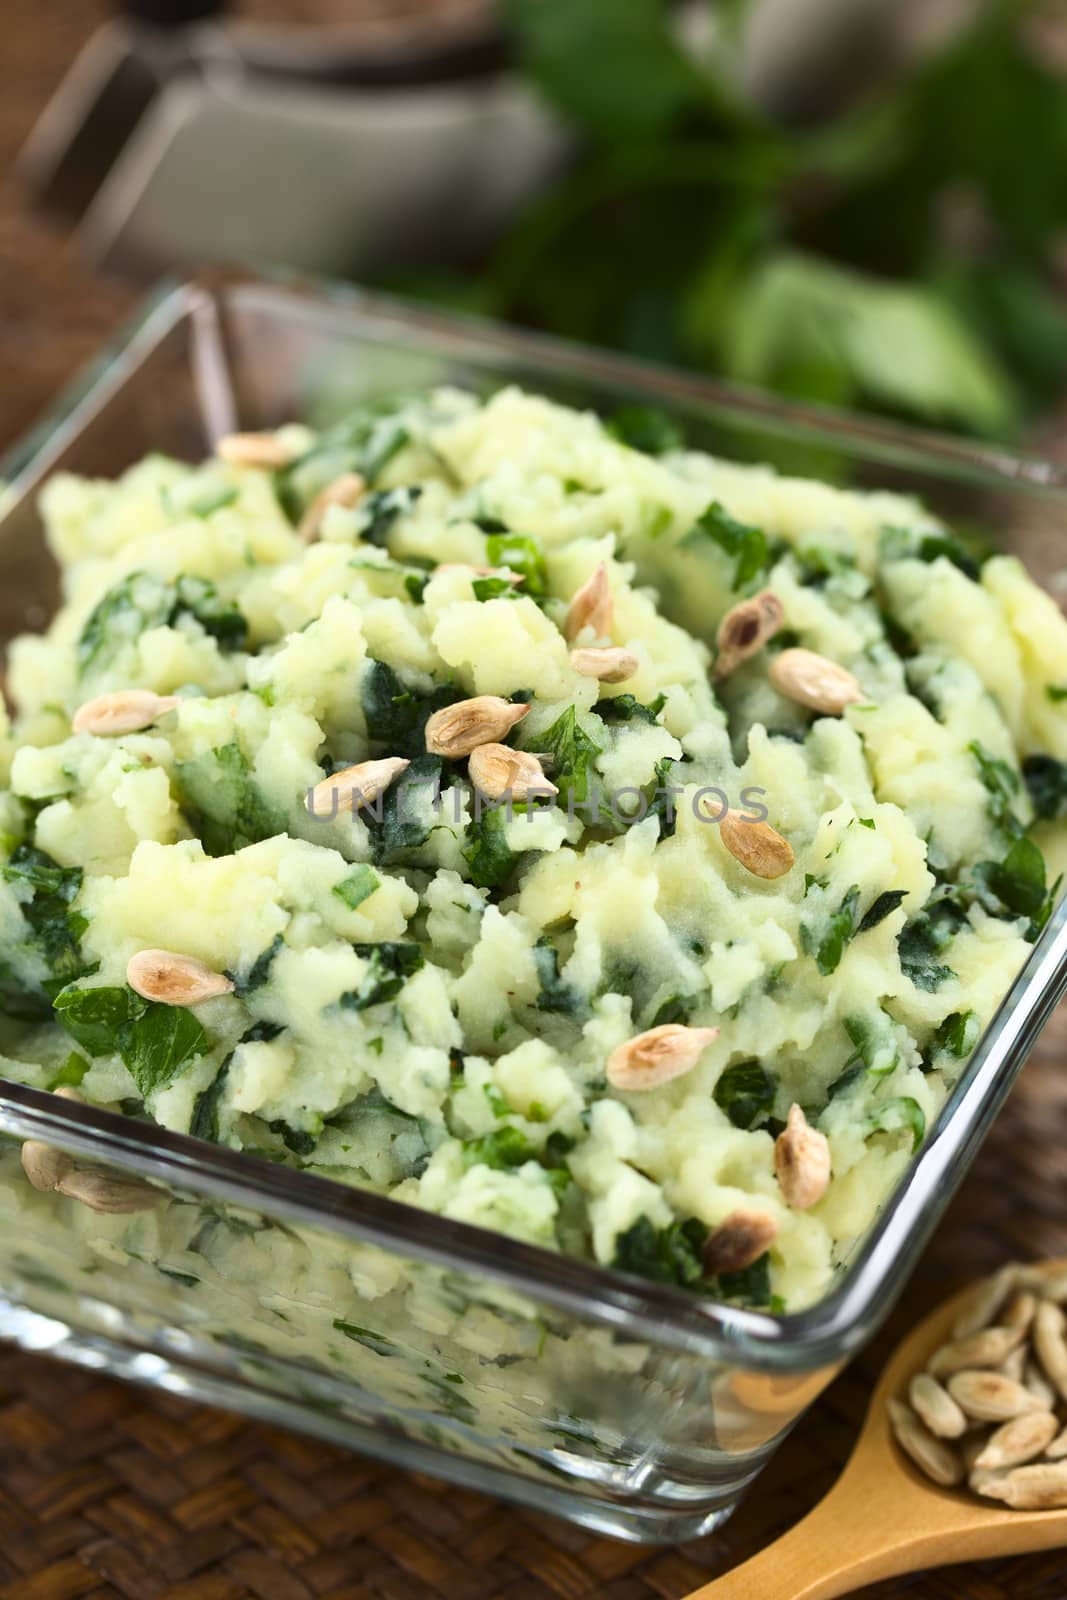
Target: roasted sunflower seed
[175,980]
[657,1056]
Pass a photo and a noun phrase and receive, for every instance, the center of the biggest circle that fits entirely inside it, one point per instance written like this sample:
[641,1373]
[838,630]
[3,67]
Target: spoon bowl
[883,1517]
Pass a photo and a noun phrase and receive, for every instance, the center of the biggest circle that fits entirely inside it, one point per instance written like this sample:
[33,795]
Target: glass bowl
[634,1408]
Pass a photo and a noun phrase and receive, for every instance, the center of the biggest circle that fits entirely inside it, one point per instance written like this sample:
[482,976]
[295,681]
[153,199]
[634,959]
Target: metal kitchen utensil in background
[180,136]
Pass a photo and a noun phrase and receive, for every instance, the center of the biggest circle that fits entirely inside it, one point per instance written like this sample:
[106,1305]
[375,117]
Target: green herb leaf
[396,824]
[371,1341]
[364,442]
[626,708]
[142,601]
[1002,783]
[922,940]
[299,1140]
[749,1287]
[392,963]
[745,545]
[636,91]
[204,1123]
[360,884]
[378,511]
[1018,884]
[903,1114]
[490,859]
[1046,781]
[396,714]
[259,971]
[70,1073]
[956,1036]
[56,929]
[223,802]
[646,428]
[155,1041]
[219,618]
[495,589]
[666,1255]
[573,753]
[882,907]
[555,994]
[138,603]
[839,930]
[745,1092]
[504,1149]
[521,553]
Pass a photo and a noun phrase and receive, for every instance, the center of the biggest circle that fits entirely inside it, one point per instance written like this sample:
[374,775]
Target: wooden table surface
[105,1491]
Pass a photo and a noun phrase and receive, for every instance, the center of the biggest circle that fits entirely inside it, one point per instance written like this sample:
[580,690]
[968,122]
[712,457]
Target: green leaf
[142,601]
[204,1123]
[745,545]
[363,442]
[504,1149]
[1002,784]
[647,428]
[627,708]
[1017,883]
[155,1041]
[745,1092]
[223,802]
[676,1008]
[490,859]
[396,714]
[360,884]
[371,1341]
[903,1114]
[392,963]
[219,618]
[749,1287]
[377,512]
[666,1255]
[521,553]
[956,1036]
[299,1140]
[70,1073]
[1046,783]
[96,1018]
[56,930]
[554,995]
[213,500]
[934,545]
[394,823]
[884,906]
[495,589]
[900,345]
[616,70]
[922,940]
[872,1036]
[573,753]
[139,602]
[259,971]
[839,930]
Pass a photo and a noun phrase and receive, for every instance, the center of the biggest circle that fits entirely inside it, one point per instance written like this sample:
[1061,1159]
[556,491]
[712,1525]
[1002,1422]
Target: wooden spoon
[882,1517]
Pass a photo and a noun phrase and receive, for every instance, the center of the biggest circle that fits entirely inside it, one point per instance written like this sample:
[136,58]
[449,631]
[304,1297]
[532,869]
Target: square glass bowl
[635,1408]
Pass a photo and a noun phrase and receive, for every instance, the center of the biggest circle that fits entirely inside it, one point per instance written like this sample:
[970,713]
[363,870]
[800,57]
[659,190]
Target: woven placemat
[111,1491]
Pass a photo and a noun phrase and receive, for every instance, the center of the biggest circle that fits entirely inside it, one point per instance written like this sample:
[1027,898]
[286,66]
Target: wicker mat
[110,1491]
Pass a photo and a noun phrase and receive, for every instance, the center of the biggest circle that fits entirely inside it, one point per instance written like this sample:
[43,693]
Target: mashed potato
[428,993]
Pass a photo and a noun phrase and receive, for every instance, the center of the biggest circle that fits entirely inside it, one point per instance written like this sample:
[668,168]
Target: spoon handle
[847,1541]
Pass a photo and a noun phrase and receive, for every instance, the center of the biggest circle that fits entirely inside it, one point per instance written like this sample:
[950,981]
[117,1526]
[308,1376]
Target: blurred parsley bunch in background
[900,255]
